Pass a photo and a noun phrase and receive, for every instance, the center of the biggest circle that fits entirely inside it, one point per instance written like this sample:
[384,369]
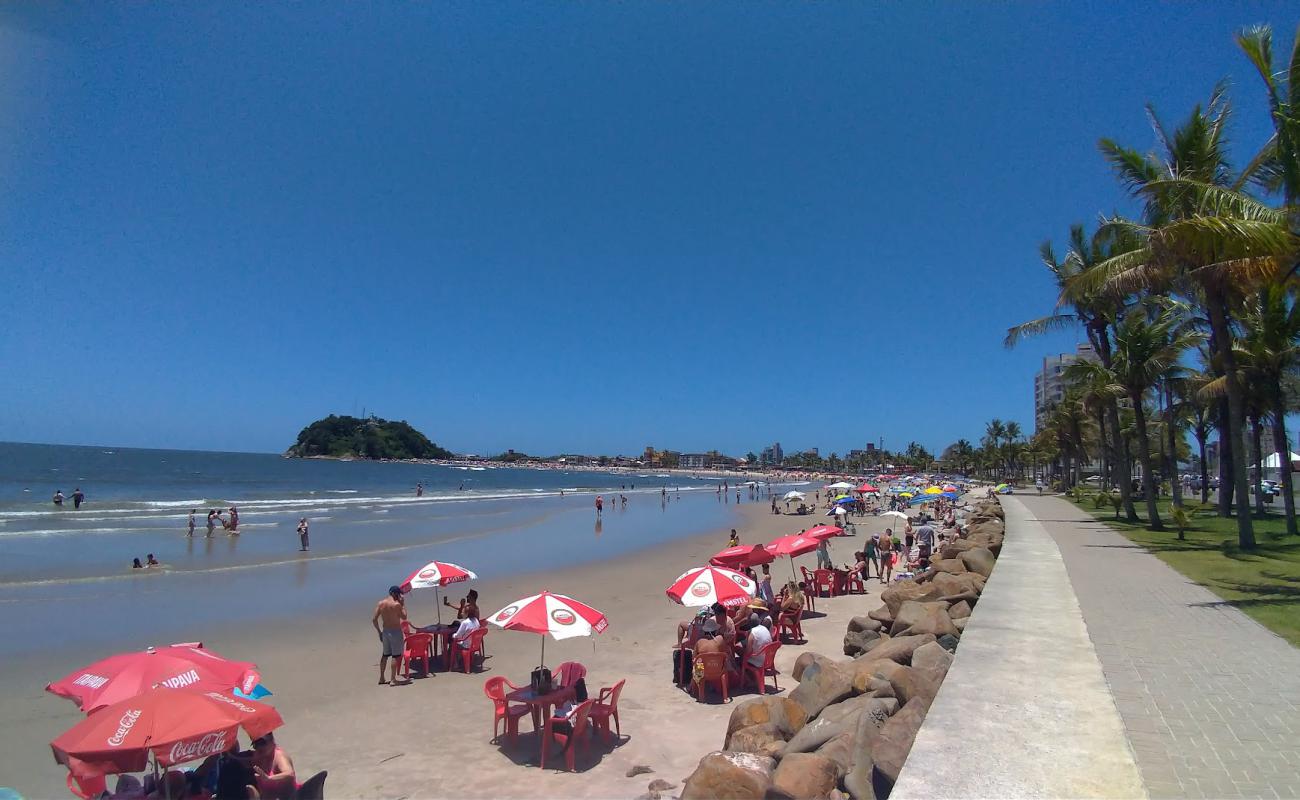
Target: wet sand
[431,738]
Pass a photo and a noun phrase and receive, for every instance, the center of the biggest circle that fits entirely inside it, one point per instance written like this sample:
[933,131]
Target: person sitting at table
[726,628]
[466,607]
[466,627]
[273,769]
[757,637]
[860,569]
[792,600]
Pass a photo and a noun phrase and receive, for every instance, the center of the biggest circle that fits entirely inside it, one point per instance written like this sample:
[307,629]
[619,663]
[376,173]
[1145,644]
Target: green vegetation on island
[372,437]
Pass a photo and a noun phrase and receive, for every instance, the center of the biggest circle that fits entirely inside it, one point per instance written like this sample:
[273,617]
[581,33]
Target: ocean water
[368,530]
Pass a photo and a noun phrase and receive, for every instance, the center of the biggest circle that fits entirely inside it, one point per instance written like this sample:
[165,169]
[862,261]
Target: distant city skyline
[581,227]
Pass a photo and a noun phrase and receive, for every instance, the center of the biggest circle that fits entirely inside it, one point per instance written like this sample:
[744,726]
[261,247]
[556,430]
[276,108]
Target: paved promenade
[1025,711]
[1210,699]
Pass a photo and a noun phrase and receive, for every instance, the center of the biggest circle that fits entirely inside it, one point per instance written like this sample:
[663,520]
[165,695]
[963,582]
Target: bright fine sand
[431,738]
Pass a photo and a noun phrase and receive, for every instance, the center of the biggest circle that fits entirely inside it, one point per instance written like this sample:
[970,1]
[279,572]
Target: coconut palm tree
[1096,312]
[1202,238]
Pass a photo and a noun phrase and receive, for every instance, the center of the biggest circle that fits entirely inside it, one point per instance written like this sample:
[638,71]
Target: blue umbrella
[259,691]
[844,500]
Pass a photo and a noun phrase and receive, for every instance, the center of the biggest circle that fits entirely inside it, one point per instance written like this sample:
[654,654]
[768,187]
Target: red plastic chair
[417,647]
[473,644]
[606,706]
[788,622]
[759,674]
[577,735]
[853,584]
[823,579]
[495,689]
[569,672]
[714,672]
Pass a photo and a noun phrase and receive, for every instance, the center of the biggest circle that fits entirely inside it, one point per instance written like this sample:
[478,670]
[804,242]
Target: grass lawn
[1264,583]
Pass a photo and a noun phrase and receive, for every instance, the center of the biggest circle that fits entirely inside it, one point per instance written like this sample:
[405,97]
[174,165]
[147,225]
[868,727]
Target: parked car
[1093,480]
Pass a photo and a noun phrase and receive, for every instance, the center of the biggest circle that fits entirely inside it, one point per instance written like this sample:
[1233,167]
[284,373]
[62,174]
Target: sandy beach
[425,738]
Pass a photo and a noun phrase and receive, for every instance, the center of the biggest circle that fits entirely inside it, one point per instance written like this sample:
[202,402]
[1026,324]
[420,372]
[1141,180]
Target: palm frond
[1040,326]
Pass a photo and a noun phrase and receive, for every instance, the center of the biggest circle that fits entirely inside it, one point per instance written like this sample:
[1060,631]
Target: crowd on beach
[262,772]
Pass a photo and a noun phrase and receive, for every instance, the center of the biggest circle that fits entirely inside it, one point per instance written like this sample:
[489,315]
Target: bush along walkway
[847,728]
[1209,698]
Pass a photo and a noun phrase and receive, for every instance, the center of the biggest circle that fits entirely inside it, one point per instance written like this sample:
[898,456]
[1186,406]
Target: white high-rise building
[1050,383]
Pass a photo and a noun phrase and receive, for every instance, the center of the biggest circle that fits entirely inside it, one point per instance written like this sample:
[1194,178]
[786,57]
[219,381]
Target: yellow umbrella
[934,490]
[904,494]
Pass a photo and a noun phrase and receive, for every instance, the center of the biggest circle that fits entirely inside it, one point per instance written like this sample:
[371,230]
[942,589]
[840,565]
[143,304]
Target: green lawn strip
[1264,583]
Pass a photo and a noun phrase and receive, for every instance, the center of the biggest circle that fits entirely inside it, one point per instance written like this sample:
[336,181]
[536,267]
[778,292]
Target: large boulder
[985,527]
[779,711]
[932,657]
[899,648]
[881,615]
[917,618]
[867,671]
[835,719]
[805,775]
[863,624]
[858,780]
[953,565]
[979,560]
[824,682]
[733,776]
[875,686]
[910,683]
[892,744]
[960,624]
[856,643]
[803,661]
[901,591]
[948,642]
[763,740]
[955,548]
[839,751]
[959,609]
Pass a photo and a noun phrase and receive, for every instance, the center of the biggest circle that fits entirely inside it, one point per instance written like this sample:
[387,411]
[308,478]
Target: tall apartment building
[1050,383]
[772,455]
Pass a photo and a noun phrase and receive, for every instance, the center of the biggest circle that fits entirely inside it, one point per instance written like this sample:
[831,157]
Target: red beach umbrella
[704,586]
[437,574]
[179,666]
[820,532]
[743,555]
[172,726]
[867,488]
[559,615]
[795,544]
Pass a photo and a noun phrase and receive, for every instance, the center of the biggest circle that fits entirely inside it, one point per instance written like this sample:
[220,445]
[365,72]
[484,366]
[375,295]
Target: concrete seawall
[1025,710]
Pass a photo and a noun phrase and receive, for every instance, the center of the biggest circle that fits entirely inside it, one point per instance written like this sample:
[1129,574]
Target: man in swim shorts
[391,611]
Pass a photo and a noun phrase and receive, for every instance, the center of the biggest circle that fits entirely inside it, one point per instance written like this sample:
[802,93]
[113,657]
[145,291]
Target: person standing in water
[234,521]
[419,490]
[58,498]
[190,530]
[600,504]
[212,521]
[78,497]
[304,535]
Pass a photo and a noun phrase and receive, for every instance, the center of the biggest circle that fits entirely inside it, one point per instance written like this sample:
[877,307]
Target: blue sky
[548,226]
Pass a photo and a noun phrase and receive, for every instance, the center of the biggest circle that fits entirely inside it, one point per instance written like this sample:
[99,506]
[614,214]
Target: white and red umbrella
[548,613]
[704,586]
[435,575]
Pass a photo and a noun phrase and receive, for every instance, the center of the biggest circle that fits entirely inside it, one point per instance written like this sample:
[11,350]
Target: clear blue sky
[546,226]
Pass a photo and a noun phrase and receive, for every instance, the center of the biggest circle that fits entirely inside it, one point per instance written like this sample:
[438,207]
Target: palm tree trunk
[1205,468]
[1256,445]
[1171,462]
[1102,451]
[1217,306]
[1284,461]
[1226,482]
[1144,455]
[1124,465]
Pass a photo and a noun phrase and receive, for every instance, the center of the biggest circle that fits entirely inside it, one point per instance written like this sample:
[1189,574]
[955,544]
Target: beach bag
[540,681]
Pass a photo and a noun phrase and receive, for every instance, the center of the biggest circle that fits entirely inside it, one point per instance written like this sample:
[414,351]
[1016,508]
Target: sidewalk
[1210,699]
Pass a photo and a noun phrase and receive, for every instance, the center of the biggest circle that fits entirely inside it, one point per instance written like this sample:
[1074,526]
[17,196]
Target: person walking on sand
[887,556]
[304,535]
[190,530]
[600,504]
[734,540]
[78,498]
[392,613]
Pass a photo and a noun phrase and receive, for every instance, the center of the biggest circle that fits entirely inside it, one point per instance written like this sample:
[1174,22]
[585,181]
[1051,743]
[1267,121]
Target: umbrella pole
[543,662]
[437,603]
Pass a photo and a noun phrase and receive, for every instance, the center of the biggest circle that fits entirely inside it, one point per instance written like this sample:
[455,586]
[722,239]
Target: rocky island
[371,438]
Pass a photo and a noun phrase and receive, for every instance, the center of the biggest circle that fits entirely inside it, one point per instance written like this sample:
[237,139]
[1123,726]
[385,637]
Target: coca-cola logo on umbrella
[563,616]
[124,726]
[209,744]
[700,589]
[506,613]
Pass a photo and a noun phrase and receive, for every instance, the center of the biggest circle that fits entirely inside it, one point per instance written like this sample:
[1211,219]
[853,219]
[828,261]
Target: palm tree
[1096,312]
[1203,238]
